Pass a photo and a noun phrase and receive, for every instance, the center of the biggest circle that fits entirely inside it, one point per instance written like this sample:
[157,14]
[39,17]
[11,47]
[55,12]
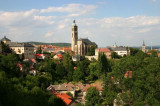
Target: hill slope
[55,44]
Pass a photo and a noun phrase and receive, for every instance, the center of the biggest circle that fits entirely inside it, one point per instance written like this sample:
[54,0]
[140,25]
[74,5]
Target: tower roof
[5,39]
[74,23]
[143,43]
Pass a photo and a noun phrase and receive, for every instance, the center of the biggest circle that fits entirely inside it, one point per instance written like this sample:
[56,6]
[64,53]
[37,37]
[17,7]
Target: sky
[126,22]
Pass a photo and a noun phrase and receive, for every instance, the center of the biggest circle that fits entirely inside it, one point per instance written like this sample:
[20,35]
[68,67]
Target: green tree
[133,51]
[140,88]
[114,55]
[8,64]
[154,53]
[70,94]
[39,50]
[54,101]
[5,49]
[91,51]
[92,97]
[103,65]
[93,71]
[82,70]
[68,65]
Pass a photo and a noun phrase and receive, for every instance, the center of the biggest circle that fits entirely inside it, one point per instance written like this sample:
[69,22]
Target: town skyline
[105,22]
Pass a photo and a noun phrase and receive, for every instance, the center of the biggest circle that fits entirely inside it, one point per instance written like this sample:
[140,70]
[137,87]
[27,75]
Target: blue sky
[127,22]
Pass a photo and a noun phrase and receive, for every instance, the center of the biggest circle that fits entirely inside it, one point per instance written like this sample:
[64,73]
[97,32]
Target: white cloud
[73,9]
[61,26]
[36,25]
[49,34]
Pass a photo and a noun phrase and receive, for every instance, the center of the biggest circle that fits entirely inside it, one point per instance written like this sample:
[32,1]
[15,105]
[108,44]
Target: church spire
[74,23]
[143,47]
[143,43]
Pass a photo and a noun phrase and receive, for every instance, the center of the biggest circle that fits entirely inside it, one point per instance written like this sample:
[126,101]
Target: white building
[20,48]
[122,51]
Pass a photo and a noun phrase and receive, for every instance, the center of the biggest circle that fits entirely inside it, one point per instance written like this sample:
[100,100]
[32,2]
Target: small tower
[74,36]
[143,47]
[5,40]
[115,45]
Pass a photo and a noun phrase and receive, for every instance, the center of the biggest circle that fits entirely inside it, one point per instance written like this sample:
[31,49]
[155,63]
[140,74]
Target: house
[49,50]
[20,66]
[5,40]
[22,49]
[122,51]
[158,54]
[40,56]
[106,51]
[63,88]
[97,85]
[66,98]
[59,55]
[79,86]
[128,74]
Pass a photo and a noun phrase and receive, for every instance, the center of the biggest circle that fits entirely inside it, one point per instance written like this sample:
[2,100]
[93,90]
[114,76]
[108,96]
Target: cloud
[49,34]
[61,26]
[71,8]
[39,25]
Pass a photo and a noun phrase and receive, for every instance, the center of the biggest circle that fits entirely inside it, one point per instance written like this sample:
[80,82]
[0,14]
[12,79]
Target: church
[80,46]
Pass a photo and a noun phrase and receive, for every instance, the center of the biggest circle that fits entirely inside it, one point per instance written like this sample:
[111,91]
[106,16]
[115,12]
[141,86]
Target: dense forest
[141,88]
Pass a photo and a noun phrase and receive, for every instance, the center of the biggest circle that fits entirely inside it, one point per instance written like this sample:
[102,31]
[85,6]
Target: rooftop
[87,41]
[16,44]
[5,39]
[118,48]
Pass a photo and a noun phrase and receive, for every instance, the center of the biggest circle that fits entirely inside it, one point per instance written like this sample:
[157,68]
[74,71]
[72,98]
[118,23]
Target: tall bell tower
[74,36]
[143,47]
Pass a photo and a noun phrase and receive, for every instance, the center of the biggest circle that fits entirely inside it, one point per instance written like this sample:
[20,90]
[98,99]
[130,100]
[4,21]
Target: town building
[144,47]
[122,51]
[106,51]
[25,49]
[63,88]
[80,46]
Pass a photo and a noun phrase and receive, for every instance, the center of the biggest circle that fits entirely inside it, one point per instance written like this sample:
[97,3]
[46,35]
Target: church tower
[74,36]
[143,47]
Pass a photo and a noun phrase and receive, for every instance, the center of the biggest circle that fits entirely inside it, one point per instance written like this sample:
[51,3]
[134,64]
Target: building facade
[80,46]
[106,51]
[25,49]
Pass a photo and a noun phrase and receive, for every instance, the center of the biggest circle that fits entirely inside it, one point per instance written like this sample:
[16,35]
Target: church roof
[87,41]
[143,43]
[5,39]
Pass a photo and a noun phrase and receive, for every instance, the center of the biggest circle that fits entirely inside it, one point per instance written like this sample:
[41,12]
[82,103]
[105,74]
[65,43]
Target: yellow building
[20,48]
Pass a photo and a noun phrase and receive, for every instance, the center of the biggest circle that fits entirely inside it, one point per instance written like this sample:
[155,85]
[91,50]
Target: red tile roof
[104,50]
[39,55]
[128,74]
[33,60]
[19,65]
[64,97]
